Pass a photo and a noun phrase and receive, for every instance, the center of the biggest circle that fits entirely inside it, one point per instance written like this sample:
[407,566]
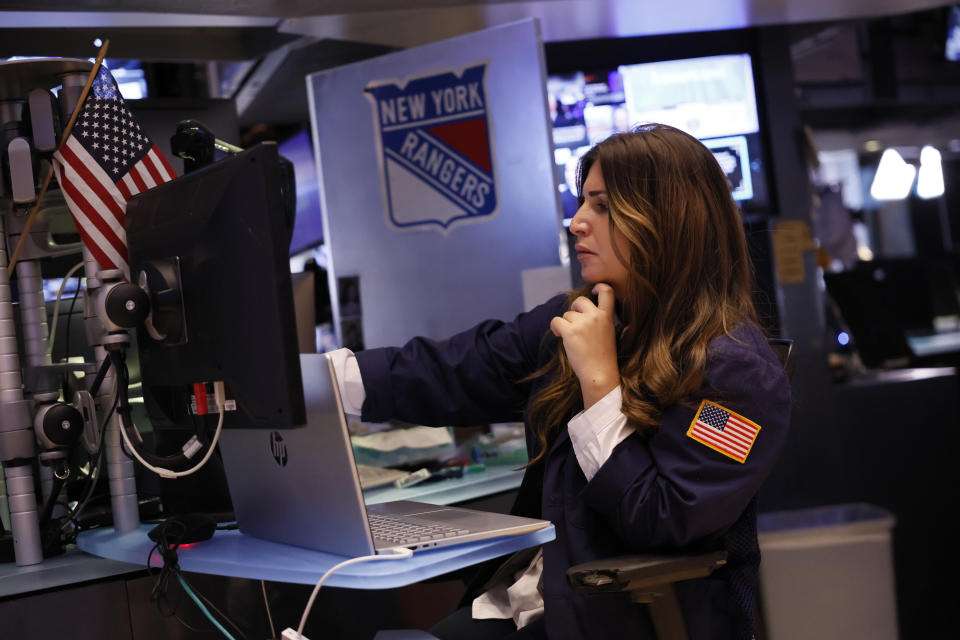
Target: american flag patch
[723,430]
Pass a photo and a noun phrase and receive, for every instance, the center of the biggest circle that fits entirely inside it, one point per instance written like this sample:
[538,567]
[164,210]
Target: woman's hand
[589,338]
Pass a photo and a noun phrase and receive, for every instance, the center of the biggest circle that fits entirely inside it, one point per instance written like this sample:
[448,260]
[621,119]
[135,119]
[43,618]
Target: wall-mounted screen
[308,223]
[712,98]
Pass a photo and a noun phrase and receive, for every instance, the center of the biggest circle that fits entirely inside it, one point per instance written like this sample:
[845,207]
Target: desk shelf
[232,553]
[495,479]
[69,569]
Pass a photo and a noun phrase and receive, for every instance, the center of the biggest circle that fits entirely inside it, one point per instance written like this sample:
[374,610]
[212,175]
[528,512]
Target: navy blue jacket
[663,493]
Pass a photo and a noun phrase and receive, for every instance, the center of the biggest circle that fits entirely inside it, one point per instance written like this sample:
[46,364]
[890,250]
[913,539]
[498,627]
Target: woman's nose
[578,225]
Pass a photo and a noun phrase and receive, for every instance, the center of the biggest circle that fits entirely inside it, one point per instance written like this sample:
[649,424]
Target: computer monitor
[212,247]
[308,225]
[884,302]
[713,98]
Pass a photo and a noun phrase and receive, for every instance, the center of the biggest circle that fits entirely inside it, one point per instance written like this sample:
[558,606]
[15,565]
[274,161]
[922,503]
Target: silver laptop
[300,487]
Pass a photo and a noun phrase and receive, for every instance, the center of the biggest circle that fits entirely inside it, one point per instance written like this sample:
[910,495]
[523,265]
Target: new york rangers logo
[434,144]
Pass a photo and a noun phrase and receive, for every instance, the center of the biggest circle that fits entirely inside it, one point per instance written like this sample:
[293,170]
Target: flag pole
[66,134]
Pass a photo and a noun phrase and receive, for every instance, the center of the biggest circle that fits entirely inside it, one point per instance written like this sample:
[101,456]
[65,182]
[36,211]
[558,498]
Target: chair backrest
[783,347]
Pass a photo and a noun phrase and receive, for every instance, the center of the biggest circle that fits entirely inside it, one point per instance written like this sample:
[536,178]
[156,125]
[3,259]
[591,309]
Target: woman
[654,411]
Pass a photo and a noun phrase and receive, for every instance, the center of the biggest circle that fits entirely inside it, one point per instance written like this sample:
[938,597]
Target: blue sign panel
[433,145]
[437,184]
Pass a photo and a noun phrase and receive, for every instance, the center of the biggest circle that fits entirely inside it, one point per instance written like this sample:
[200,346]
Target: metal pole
[120,468]
[17,443]
[4,506]
[33,316]
[42,388]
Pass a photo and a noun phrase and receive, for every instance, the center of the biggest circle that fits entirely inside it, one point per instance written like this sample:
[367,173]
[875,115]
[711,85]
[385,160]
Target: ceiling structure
[380,22]
[869,85]
[281,41]
[585,19]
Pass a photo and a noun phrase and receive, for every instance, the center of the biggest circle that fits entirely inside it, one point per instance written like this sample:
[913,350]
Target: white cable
[266,602]
[219,394]
[56,307]
[397,553]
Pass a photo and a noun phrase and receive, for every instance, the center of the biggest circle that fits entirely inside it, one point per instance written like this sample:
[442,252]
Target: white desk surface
[232,553]
[76,566]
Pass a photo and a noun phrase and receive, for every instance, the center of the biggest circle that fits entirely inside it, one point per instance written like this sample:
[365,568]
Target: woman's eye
[601,206]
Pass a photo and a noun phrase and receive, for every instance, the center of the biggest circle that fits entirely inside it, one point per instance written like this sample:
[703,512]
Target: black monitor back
[226,227]
[883,300]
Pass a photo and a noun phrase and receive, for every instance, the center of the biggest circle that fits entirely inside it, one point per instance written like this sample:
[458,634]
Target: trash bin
[827,573]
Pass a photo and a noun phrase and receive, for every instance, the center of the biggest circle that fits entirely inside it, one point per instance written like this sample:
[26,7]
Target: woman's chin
[586,273]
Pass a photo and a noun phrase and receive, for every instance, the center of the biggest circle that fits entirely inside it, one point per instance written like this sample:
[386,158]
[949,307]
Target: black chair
[650,579]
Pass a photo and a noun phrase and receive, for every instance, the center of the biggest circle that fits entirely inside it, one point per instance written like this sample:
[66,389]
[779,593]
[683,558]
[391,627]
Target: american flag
[104,162]
[723,430]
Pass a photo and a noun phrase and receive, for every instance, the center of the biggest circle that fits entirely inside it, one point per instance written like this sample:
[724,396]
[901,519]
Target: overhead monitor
[712,98]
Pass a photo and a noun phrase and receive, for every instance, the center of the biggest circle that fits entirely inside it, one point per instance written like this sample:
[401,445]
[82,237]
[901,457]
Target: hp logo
[278,448]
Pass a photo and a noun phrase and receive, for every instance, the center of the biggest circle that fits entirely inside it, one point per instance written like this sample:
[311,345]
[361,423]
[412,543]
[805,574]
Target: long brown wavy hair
[690,277]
